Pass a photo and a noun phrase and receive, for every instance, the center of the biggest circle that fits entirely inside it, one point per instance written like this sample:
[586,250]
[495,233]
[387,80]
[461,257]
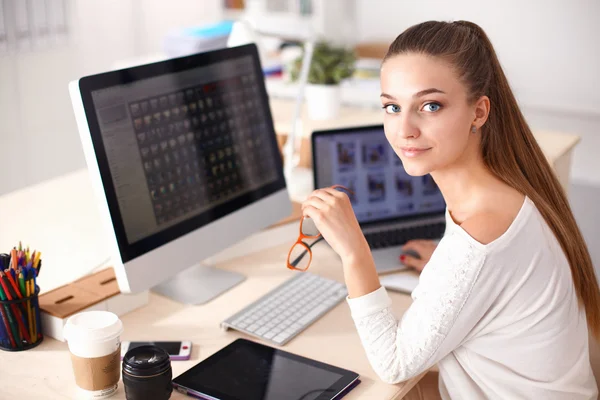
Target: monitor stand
[198,284]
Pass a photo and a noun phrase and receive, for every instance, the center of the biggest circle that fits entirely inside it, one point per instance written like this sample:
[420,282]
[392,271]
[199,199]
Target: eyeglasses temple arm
[297,259]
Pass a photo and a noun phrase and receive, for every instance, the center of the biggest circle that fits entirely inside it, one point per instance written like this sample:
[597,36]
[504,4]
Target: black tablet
[245,370]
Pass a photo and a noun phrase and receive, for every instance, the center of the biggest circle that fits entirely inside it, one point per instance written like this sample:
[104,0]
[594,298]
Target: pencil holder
[20,327]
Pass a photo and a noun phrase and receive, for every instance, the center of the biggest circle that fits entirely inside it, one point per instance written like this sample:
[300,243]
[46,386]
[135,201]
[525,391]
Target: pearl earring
[473,129]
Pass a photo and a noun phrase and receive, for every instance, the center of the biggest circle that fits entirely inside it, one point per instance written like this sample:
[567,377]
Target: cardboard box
[97,292]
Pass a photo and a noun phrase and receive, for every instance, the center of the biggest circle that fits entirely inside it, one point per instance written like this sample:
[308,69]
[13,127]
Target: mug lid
[93,325]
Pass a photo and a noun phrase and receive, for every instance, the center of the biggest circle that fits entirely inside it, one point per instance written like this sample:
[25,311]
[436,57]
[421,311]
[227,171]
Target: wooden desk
[68,232]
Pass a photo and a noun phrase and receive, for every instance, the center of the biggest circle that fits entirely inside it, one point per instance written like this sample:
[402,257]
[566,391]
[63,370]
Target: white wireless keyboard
[288,309]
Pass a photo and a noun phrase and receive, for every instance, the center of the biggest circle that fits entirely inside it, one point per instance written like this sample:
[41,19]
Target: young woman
[505,300]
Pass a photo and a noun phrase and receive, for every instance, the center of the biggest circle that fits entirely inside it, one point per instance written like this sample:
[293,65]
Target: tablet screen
[251,371]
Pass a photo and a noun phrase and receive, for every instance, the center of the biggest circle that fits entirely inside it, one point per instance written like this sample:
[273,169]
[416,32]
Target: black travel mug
[147,374]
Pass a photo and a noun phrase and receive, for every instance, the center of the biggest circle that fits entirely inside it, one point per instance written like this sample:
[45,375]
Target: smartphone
[177,350]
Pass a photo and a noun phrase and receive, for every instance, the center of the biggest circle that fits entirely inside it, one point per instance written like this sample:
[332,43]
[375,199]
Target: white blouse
[501,320]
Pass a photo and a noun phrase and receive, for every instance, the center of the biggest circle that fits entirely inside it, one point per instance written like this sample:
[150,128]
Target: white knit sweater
[501,320]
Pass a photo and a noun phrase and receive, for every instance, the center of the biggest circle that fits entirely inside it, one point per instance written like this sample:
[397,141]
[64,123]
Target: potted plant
[329,65]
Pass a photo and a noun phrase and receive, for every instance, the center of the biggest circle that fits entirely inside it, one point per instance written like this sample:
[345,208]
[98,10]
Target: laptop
[391,206]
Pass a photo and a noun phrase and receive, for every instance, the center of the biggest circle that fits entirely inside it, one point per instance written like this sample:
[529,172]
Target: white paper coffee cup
[94,339]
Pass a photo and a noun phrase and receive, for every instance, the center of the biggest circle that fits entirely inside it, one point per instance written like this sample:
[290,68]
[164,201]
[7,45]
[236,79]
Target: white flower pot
[323,101]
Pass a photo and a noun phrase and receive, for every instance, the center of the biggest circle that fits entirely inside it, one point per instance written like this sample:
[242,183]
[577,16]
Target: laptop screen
[362,160]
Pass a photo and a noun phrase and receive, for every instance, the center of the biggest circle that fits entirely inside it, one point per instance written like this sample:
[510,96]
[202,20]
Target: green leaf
[329,65]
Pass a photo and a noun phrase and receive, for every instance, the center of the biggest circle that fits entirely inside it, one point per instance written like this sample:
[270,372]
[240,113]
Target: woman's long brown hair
[509,148]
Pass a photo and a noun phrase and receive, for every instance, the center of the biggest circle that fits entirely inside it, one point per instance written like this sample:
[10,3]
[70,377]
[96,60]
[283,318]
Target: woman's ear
[482,111]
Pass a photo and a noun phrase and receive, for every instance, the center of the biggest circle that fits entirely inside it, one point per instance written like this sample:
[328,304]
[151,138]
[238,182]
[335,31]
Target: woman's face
[427,117]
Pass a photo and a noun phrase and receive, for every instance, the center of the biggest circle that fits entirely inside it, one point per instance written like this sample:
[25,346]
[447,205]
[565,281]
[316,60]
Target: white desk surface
[69,234]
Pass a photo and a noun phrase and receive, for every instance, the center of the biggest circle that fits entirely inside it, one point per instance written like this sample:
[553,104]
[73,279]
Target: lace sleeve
[427,331]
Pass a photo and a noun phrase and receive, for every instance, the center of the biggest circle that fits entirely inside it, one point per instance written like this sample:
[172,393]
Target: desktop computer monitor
[185,163]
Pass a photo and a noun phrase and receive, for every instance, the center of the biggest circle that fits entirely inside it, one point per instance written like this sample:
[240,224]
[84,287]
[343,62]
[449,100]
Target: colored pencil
[29,320]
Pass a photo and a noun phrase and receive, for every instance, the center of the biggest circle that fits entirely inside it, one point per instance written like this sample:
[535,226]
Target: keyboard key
[312,314]
[285,324]
[269,335]
[276,329]
[280,338]
[261,331]
[289,331]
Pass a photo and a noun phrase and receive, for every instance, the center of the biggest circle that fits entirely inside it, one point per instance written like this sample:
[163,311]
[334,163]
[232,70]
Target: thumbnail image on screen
[375,154]
[376,187]
[405,191]
[404,185]
[346,154]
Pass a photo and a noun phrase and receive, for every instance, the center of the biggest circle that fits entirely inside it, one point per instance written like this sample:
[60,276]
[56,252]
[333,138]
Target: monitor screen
[181,143]
[362,160]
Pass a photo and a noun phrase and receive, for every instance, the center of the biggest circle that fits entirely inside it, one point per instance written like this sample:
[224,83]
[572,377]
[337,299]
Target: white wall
[38,135]
[157,17]
[549,50]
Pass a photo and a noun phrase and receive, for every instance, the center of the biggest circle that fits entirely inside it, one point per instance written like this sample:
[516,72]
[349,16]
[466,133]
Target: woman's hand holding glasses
[328,214]
[331,212]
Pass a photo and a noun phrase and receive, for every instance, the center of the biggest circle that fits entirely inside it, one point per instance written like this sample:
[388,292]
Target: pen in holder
[20,327]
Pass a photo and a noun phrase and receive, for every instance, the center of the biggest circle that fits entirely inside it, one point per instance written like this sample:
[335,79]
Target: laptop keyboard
[396,237]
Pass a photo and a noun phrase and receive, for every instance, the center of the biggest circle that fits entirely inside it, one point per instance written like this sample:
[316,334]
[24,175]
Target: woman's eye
[392,109]
[432,107]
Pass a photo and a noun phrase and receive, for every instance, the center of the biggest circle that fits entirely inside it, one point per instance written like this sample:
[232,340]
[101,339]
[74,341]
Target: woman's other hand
[423,248]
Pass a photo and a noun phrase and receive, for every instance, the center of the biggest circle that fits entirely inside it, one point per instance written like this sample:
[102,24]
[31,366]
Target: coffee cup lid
[93,325]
